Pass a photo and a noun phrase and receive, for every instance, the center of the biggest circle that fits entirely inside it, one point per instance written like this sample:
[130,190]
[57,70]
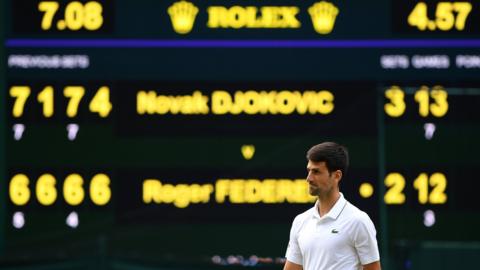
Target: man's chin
[313,191]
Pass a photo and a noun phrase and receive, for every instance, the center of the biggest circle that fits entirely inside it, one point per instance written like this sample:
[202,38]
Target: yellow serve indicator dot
[248,150]
[366,190]
[61,25]
[431,25]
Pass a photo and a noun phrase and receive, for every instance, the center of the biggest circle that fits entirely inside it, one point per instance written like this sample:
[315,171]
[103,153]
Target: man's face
[320,180]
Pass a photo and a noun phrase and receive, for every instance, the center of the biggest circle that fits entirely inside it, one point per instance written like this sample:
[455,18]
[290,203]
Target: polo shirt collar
[334,212]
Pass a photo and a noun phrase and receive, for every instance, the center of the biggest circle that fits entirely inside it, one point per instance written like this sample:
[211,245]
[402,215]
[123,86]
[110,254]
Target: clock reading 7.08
[76,16]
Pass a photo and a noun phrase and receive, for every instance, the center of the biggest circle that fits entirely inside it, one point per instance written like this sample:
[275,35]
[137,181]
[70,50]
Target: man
[334,234]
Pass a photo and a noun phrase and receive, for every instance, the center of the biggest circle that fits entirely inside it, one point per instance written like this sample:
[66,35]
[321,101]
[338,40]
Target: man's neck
[327,201]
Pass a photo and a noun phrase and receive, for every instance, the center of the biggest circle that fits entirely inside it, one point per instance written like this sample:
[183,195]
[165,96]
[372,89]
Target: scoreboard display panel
[174,133]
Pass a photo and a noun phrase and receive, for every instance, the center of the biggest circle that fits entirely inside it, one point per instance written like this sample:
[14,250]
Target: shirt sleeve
[294,253]
[365,240]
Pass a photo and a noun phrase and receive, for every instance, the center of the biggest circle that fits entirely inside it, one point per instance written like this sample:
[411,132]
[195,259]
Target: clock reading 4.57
[447,16]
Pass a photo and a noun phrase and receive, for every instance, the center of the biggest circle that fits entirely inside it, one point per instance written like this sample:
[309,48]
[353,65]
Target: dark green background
[124,235]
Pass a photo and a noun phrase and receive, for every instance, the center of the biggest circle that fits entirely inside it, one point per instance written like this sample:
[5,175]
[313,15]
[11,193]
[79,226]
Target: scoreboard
[175,132]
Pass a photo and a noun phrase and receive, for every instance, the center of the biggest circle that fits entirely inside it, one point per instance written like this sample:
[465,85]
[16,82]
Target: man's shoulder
[358,220]
[356,215]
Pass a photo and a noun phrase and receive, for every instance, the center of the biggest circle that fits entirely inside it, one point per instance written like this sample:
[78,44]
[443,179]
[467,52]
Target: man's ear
[338,175]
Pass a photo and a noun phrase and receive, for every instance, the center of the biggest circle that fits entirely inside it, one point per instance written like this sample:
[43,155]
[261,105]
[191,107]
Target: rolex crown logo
[323,16]
[182,14]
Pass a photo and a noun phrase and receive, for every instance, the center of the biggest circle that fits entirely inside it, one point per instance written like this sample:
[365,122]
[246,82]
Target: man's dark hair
[333,154]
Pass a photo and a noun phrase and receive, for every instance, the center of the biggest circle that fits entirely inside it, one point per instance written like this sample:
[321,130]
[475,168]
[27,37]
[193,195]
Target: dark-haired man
[334,234]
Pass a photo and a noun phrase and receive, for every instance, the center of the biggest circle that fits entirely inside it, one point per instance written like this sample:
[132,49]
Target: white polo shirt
[343,239]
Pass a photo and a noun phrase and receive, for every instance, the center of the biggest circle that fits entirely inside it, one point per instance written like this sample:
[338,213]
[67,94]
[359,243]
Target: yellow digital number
[100,192]
[439,183]
[463,9]
[18,189]
[45,189]
[445,18]
[20,93]
[440,107]
[418,17]
[421,184]
[421,96]
[73,192]
[74,15]
[93,16]
[75,93]
[101,102]
[395,183]
[49,8]
[397,106]
[46,97]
